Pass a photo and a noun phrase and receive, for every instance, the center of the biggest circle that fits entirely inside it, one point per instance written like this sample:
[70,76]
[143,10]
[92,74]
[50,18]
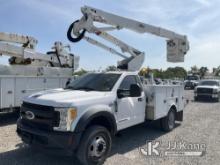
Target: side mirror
[120,93]
[135,90]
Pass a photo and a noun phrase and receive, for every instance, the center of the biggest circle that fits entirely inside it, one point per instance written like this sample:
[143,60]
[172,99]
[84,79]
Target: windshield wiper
[84,88]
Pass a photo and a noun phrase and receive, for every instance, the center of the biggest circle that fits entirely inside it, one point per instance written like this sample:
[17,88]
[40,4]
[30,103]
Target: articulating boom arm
[177,45]
[25,54]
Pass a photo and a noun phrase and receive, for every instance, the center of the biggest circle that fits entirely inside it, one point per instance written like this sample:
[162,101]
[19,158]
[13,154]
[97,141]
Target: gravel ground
[201,126]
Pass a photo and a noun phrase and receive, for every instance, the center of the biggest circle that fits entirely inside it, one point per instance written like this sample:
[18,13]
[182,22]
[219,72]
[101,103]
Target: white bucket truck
[83,118]
[30,71]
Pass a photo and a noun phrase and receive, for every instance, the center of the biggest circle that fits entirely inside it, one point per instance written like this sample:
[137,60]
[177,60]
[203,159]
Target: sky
[48,21]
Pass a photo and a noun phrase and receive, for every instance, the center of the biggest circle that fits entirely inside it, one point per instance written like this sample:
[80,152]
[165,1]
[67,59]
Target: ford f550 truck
[84,117]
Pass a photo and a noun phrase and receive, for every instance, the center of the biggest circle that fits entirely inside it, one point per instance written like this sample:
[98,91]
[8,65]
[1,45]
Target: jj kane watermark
[173,148]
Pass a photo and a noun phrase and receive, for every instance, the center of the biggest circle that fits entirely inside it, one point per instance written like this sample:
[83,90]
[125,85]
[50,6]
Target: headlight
[67,116]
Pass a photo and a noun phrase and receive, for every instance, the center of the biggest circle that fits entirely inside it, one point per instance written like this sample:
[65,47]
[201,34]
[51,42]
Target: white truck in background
[15,87]
[191,81]
[83,118]
[29,71]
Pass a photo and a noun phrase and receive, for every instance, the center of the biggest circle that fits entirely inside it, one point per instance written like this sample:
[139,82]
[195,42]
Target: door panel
[130,110]
[124,112]
[20,90]
[35,84]
[8,93]
[51,83]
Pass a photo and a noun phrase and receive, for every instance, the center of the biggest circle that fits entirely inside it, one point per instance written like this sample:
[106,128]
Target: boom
[177,45]
[25,54]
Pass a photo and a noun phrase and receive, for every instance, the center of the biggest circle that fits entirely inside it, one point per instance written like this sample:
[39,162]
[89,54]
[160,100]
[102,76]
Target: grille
[189,83]
[205,90]
[45,116]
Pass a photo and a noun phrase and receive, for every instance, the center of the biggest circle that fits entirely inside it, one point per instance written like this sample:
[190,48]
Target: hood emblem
[29,115]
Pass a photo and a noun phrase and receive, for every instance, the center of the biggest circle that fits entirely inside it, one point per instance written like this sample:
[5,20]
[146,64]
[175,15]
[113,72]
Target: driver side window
[126,83]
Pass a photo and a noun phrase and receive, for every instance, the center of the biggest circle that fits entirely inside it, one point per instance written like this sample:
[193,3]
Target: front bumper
[190,85]
[206,95]
[54,142]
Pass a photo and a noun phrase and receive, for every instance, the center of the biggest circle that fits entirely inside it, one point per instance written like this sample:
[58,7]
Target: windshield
[192,78]
[209,83]
[95,82]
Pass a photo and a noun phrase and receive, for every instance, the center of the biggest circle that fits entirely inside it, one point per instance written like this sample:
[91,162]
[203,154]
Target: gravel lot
[201,125]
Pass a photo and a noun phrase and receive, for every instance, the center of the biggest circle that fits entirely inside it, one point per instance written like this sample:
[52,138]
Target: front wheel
[95,146]
[218,99]
[195,98]
[168,122]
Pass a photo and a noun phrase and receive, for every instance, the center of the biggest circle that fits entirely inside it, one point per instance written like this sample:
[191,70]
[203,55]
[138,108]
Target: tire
[195,98]
[168,122]
[95,146]
[218,99]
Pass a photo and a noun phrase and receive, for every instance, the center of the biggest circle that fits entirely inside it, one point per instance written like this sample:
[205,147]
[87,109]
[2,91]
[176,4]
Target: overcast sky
[48,21]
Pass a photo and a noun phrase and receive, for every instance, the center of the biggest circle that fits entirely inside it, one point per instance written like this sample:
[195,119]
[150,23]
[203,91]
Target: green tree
[176,72]
[194,69]
[111,68]
[169,73]
[216,71]
[202,71]
[80,72]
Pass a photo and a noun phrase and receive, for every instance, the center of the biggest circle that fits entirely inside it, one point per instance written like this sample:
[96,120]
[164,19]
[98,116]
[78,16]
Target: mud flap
[179,116]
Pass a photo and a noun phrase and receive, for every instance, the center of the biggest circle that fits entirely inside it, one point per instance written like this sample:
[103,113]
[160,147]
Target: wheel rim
[171,120]
[97,148]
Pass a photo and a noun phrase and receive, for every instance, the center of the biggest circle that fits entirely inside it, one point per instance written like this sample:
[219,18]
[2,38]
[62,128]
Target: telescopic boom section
[21,49]
[177,45]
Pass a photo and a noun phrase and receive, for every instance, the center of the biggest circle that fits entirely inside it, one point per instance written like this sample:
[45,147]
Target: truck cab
[207,89]
[191,81]
[83,118]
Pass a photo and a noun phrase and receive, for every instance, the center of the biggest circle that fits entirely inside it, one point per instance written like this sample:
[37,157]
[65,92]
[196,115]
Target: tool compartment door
[160,102]
[35,84]
[7,92]
[181,98]
[20,89]
[51,83]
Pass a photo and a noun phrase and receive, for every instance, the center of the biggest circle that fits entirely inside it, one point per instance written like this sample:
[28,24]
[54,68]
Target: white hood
[63,97]
[206,86]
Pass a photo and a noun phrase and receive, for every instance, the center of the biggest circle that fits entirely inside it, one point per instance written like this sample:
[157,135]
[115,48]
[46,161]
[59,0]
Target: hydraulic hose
[69,33]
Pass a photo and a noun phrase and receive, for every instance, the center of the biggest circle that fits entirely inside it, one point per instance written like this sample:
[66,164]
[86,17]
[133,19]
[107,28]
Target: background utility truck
[30,71]
[83,118]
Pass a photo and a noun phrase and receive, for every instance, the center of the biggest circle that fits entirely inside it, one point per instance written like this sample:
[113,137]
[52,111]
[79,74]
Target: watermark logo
[174,148]
[151,149]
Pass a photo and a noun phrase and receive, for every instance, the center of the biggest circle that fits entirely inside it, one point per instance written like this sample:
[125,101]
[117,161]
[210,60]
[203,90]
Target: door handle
[23,91]
[10,92]
[140,99]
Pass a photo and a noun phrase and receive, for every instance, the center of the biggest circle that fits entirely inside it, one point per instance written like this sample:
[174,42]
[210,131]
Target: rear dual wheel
[168,122]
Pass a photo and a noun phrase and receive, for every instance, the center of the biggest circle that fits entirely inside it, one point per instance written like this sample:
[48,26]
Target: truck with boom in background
[30,71]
